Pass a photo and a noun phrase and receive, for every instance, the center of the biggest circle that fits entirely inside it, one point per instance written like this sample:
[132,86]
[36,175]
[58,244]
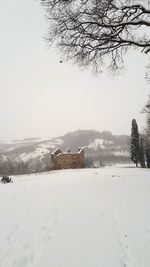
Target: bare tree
[93,31]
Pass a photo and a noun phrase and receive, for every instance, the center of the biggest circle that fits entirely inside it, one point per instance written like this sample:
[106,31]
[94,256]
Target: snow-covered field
[76,218]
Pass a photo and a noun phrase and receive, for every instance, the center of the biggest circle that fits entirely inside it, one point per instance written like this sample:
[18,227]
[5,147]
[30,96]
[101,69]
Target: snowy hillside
[33,154]
[76,218]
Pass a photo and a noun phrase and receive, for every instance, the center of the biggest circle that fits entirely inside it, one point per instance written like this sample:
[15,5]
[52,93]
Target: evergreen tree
[135,143]
[141,153]
[148,157]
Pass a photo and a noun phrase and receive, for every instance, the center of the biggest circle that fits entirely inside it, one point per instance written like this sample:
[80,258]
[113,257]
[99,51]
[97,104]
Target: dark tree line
[13,167]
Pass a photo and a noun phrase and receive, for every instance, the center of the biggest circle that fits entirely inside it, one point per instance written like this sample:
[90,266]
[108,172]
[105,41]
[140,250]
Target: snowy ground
[76,218]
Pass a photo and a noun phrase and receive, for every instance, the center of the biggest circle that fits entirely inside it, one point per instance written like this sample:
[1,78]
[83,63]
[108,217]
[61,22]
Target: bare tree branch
[92,32]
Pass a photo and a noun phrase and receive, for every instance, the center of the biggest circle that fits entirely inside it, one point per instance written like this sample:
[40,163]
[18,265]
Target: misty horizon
[59,136]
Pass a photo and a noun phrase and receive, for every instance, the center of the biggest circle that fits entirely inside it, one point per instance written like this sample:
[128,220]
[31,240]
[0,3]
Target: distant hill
[33,154]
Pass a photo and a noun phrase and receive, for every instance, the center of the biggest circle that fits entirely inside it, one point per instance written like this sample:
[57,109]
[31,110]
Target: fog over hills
[34,154]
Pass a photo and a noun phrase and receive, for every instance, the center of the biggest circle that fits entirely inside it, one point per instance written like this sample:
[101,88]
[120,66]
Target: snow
[38,153]
[41,150]
[100,143]
[122,153]
[3,157]
[97,143]
[53,143]
[76,218]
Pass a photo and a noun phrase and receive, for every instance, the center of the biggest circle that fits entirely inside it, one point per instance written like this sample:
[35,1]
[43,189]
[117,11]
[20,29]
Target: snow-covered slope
[33,154]
[76,218]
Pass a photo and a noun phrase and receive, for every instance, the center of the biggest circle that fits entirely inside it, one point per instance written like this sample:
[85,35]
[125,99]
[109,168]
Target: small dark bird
[60,61]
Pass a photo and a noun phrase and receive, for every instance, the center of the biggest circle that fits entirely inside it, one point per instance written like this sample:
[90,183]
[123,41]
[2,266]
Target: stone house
[67,160]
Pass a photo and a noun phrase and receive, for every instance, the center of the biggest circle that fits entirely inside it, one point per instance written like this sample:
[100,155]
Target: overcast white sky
[41,97]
